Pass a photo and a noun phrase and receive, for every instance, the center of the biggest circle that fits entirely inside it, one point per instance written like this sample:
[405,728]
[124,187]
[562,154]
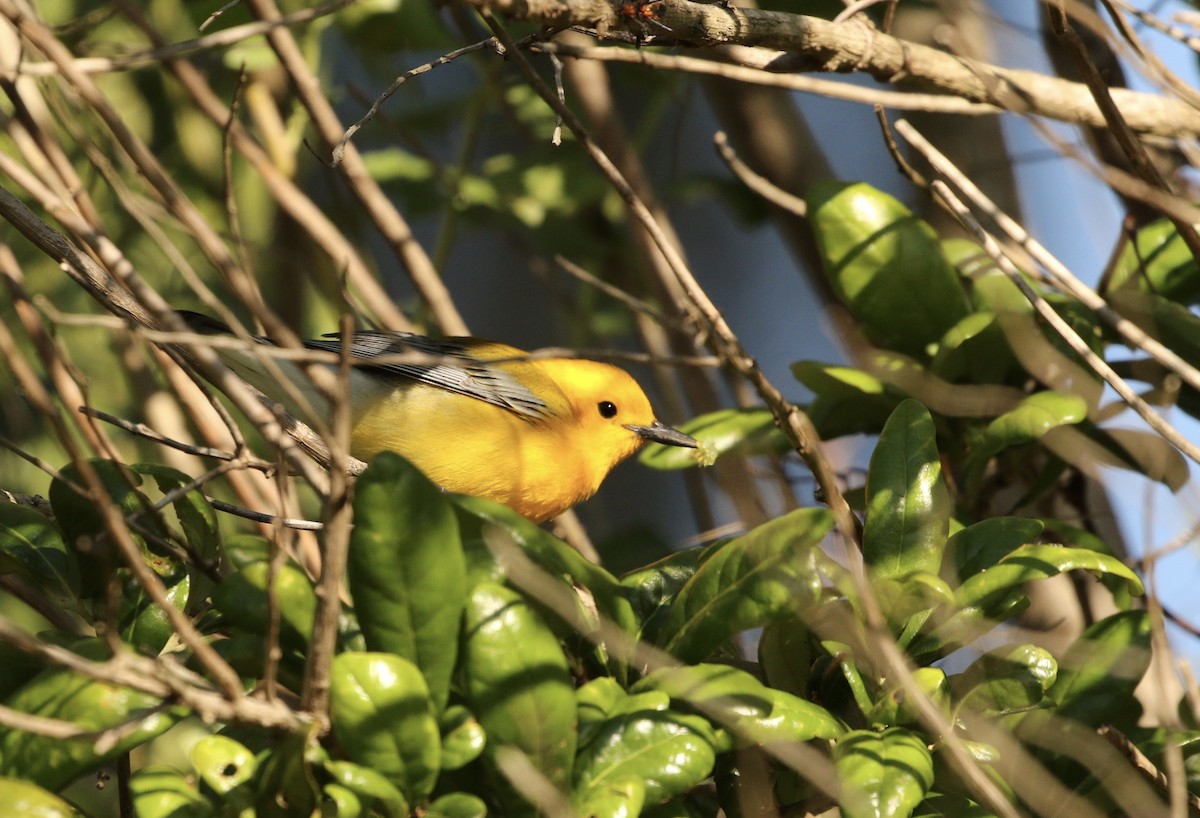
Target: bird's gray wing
[457,370]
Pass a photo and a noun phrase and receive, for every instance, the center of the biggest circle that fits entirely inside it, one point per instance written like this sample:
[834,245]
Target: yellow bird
[479,418]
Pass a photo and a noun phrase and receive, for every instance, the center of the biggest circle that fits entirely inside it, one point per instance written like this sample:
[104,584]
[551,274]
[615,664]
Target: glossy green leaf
[969,623]
[908,506]
[1157,261]
[603,699]
[90,705]
[162,792]
[747,582]
[1007,680]
[222,763]
[1034,417]
[895,707]
[785,655]
[847,400]
[384,718]
[21,799]
[406,569]
[196,515]
[975,351]
[463,737]
[370,787]
[285,783]
[345,802]
[884,775]
[242,598]
[517,680]
[1033,562]
[938,805]
[457,805]
[905,596]
[505,527]
[1098,673]
[31,543]
[733,432]
[886,265]
[978,547]
[82,523]
[790,719]
[651,590]
[712,689]
[642,758]
[144,625]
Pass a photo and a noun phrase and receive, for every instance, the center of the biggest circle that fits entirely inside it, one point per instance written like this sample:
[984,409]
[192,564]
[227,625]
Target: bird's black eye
[607,409]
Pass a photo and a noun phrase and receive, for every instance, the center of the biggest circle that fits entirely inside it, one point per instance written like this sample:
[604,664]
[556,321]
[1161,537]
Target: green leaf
[90,705]
[896,708]
[908,506]
[463,737]
[457,805]
[163,792]
[31,543]
[1006,680]
[1033,562]
[885,775]
[406,569]
[517,681]
[848,400]
[242,597]
[285,784]
[1157,261]
[651,590]
[22,799]
[790,719]
[642,758]
[369,786]
[1034,417]
[747,582]
[383,716]
[223,764]
[711,689]
[196,515]
[886,265]
[1098,673]
[144,625]
[968,623]
[975,350]
[82,523]
[978,547]
[505,527]
[785,655]
[733,432]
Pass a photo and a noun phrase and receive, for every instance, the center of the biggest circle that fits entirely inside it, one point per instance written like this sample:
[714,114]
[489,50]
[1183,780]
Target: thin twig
[1060,326]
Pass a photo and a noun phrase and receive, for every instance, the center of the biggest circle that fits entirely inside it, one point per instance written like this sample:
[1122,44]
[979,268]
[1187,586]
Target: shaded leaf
[1099,672]
[886,265]
[885,775]
[747,582]
[908,506]
[406,569]
[517,682]
[382,714]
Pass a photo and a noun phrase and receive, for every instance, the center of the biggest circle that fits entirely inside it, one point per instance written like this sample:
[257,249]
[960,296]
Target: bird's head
[612,414]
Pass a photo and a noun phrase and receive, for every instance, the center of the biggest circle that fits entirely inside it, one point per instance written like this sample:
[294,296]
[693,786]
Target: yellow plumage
[479,417]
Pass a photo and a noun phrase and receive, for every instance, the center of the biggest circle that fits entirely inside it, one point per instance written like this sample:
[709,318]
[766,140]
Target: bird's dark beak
[661,433]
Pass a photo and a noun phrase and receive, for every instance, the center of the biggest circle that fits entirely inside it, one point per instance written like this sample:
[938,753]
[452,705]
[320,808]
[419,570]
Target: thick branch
[816,45]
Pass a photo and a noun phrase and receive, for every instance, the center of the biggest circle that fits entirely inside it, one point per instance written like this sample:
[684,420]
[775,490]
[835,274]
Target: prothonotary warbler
[478,417]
